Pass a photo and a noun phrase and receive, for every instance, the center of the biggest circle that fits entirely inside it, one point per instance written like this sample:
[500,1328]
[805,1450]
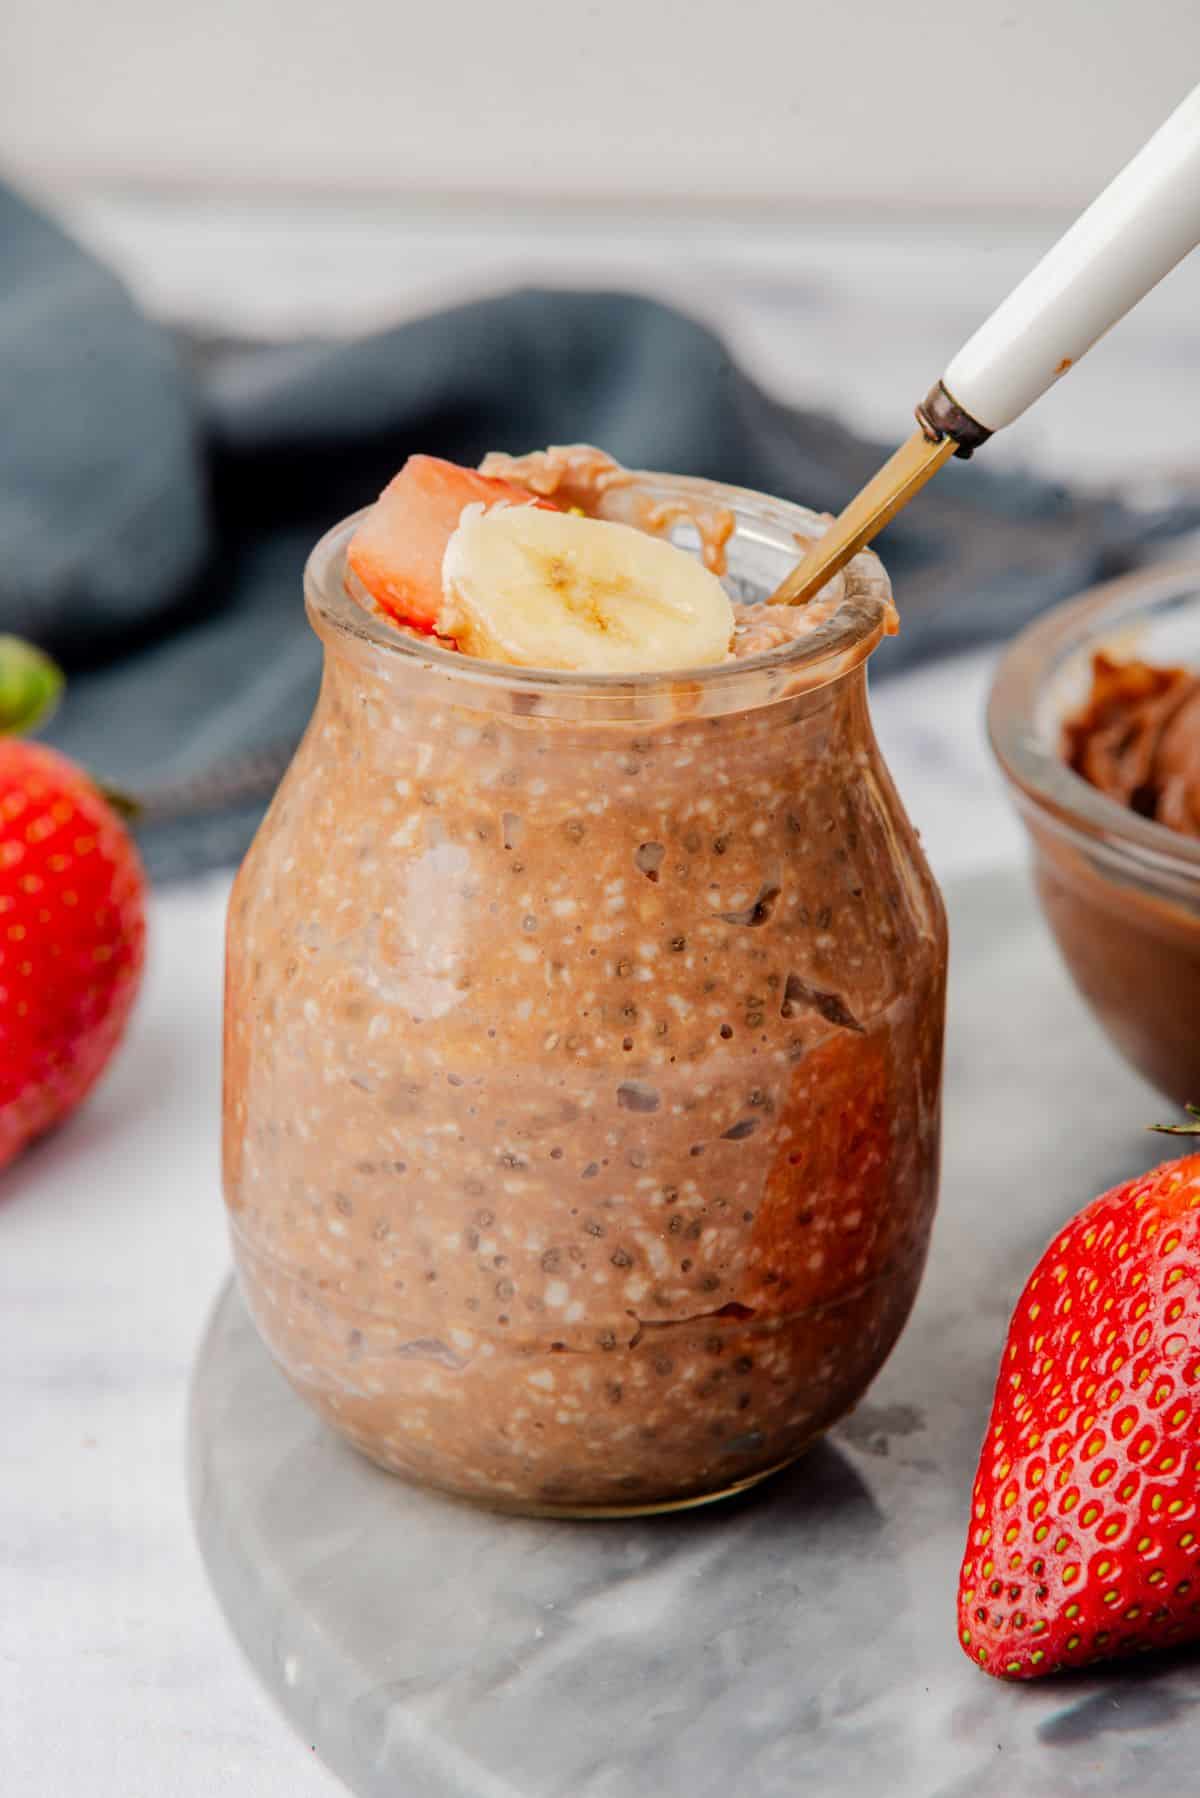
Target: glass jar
[1120,892]
[583,1053]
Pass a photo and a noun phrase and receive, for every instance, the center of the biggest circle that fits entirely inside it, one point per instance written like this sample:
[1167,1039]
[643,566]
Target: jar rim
[834,646]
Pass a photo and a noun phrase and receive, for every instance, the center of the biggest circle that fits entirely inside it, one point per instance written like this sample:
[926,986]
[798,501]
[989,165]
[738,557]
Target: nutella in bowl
[584,1030]
[1137,738]
[1095,719]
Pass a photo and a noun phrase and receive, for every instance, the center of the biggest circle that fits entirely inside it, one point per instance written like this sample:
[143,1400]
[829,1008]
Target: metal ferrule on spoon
[1134,233]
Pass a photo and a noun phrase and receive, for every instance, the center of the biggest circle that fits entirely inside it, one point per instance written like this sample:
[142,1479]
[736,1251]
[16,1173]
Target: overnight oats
[585,996]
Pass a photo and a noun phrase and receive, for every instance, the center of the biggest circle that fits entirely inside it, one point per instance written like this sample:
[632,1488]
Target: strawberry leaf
[123,803]
[1192,1129]
[30,686]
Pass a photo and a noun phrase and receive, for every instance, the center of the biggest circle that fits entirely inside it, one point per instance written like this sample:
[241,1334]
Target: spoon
[1146,220]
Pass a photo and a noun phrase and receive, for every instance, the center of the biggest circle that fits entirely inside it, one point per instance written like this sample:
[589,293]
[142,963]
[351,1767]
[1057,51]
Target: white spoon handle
[1144,222]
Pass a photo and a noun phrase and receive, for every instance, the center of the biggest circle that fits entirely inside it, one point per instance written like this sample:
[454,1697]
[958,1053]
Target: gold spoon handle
[902,475]
[1146,220]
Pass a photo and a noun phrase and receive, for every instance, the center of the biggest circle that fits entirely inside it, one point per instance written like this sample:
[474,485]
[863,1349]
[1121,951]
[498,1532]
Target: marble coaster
[798,1640]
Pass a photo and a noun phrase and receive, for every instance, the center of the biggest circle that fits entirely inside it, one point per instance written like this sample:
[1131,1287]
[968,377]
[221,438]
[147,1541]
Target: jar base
[597,1513]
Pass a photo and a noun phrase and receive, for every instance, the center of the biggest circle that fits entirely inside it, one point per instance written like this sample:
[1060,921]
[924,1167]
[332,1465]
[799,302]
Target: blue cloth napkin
[158,499]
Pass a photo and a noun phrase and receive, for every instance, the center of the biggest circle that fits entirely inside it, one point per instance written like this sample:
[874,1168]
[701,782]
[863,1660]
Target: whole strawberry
[72,932]
[1085,1528]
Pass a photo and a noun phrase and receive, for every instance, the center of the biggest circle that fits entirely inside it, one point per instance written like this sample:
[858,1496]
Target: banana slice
[557,590]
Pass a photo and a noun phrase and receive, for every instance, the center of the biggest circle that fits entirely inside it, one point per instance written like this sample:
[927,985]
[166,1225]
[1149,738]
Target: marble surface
[802,1639]
[112,1249]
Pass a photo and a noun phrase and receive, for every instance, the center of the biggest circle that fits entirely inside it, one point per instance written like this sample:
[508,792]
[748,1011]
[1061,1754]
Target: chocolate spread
[1138,740]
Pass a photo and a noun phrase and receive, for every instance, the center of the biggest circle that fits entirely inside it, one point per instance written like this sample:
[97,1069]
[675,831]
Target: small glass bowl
[1120,892]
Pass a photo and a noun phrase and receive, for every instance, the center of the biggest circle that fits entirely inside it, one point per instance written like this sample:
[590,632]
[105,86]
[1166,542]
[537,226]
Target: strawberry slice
[397,550]
[821,1226]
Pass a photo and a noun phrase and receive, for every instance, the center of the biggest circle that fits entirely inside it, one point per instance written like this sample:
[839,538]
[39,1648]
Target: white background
[810,102]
